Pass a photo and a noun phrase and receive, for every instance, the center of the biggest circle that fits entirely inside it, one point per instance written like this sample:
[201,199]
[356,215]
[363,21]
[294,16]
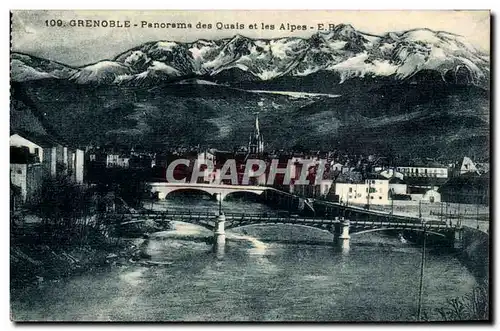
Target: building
[423,171]
[205,157]
[299,165]
[467,166]
[390,173]
[397,186]
[26,174]
[370,191]
[34,145]
[209,174]
[431,196]
[423,176]
[78,160]
[470,188]
[42,147]
[55,157]
[256,141]
[117,160]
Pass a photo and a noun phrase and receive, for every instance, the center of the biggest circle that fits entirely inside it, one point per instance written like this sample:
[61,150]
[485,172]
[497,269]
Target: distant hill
[415,93]
[404,119]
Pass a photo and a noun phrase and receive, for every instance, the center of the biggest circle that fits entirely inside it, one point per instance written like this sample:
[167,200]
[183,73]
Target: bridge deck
[238,218]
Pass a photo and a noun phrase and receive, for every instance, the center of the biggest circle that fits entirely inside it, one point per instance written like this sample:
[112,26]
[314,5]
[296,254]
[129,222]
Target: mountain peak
[348,28]
[343,50]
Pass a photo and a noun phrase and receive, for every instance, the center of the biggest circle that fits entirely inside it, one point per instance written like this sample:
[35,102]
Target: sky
[79,46]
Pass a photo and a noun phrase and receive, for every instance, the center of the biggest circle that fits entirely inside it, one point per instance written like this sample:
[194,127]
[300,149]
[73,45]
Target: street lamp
[422,267]
[219,197]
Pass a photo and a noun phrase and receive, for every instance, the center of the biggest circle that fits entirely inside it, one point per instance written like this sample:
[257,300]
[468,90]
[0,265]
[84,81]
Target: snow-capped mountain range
[343,51]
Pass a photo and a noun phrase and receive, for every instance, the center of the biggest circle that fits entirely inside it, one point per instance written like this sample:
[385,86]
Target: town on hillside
[369,181]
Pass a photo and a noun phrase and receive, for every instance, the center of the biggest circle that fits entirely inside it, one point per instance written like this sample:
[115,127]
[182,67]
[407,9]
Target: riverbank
[36,257]
[33,264]
[475,252]
[474,255]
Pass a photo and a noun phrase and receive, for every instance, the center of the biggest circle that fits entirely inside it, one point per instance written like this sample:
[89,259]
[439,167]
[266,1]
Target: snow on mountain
[157,71]
[194,81]
[104,72]
[160,66]
[421,49]
[25,67]
[358,66]
[343,50]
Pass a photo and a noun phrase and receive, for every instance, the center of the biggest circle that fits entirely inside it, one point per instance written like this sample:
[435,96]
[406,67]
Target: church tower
[256,143]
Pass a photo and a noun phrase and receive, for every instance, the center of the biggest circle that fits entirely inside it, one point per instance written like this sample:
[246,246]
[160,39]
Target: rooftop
[40,140]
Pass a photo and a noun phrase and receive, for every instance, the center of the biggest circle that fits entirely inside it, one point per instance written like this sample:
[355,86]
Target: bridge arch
[187,190]
[163,190]
[238,225]
[396,229]
[243,193]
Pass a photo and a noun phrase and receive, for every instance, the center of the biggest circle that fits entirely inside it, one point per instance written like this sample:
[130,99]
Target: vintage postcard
[313,166]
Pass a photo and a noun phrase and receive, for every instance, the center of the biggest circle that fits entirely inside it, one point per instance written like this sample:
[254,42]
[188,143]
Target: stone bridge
[218,191]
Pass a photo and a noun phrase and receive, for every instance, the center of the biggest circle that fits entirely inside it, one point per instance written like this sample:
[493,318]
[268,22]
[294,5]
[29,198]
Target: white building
[35,157]
[28,177]
[432,196]
[203,157]
[467,166]
[117,160]
[389,173]
[16,140]
[428,172]
[397,186]
[78,160]
[209,174]
[371,191]
[53,156]
[48,152]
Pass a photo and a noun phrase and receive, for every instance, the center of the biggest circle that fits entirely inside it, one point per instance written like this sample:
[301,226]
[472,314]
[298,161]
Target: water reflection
[257,273]
[205,204]
[220,246]
[345,246]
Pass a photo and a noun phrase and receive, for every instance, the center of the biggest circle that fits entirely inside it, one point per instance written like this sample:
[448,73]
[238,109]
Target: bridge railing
[279,218]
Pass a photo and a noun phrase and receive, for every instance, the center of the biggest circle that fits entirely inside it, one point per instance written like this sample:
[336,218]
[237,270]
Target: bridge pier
[458,239]
[220,236]
[345,229]
[219,225]
[454,238]
[341,234]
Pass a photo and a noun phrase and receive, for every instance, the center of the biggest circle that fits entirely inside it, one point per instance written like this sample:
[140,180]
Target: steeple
[256,143]
[257,129]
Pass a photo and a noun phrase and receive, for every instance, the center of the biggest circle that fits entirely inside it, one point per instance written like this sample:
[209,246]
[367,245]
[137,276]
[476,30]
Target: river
[264,275]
